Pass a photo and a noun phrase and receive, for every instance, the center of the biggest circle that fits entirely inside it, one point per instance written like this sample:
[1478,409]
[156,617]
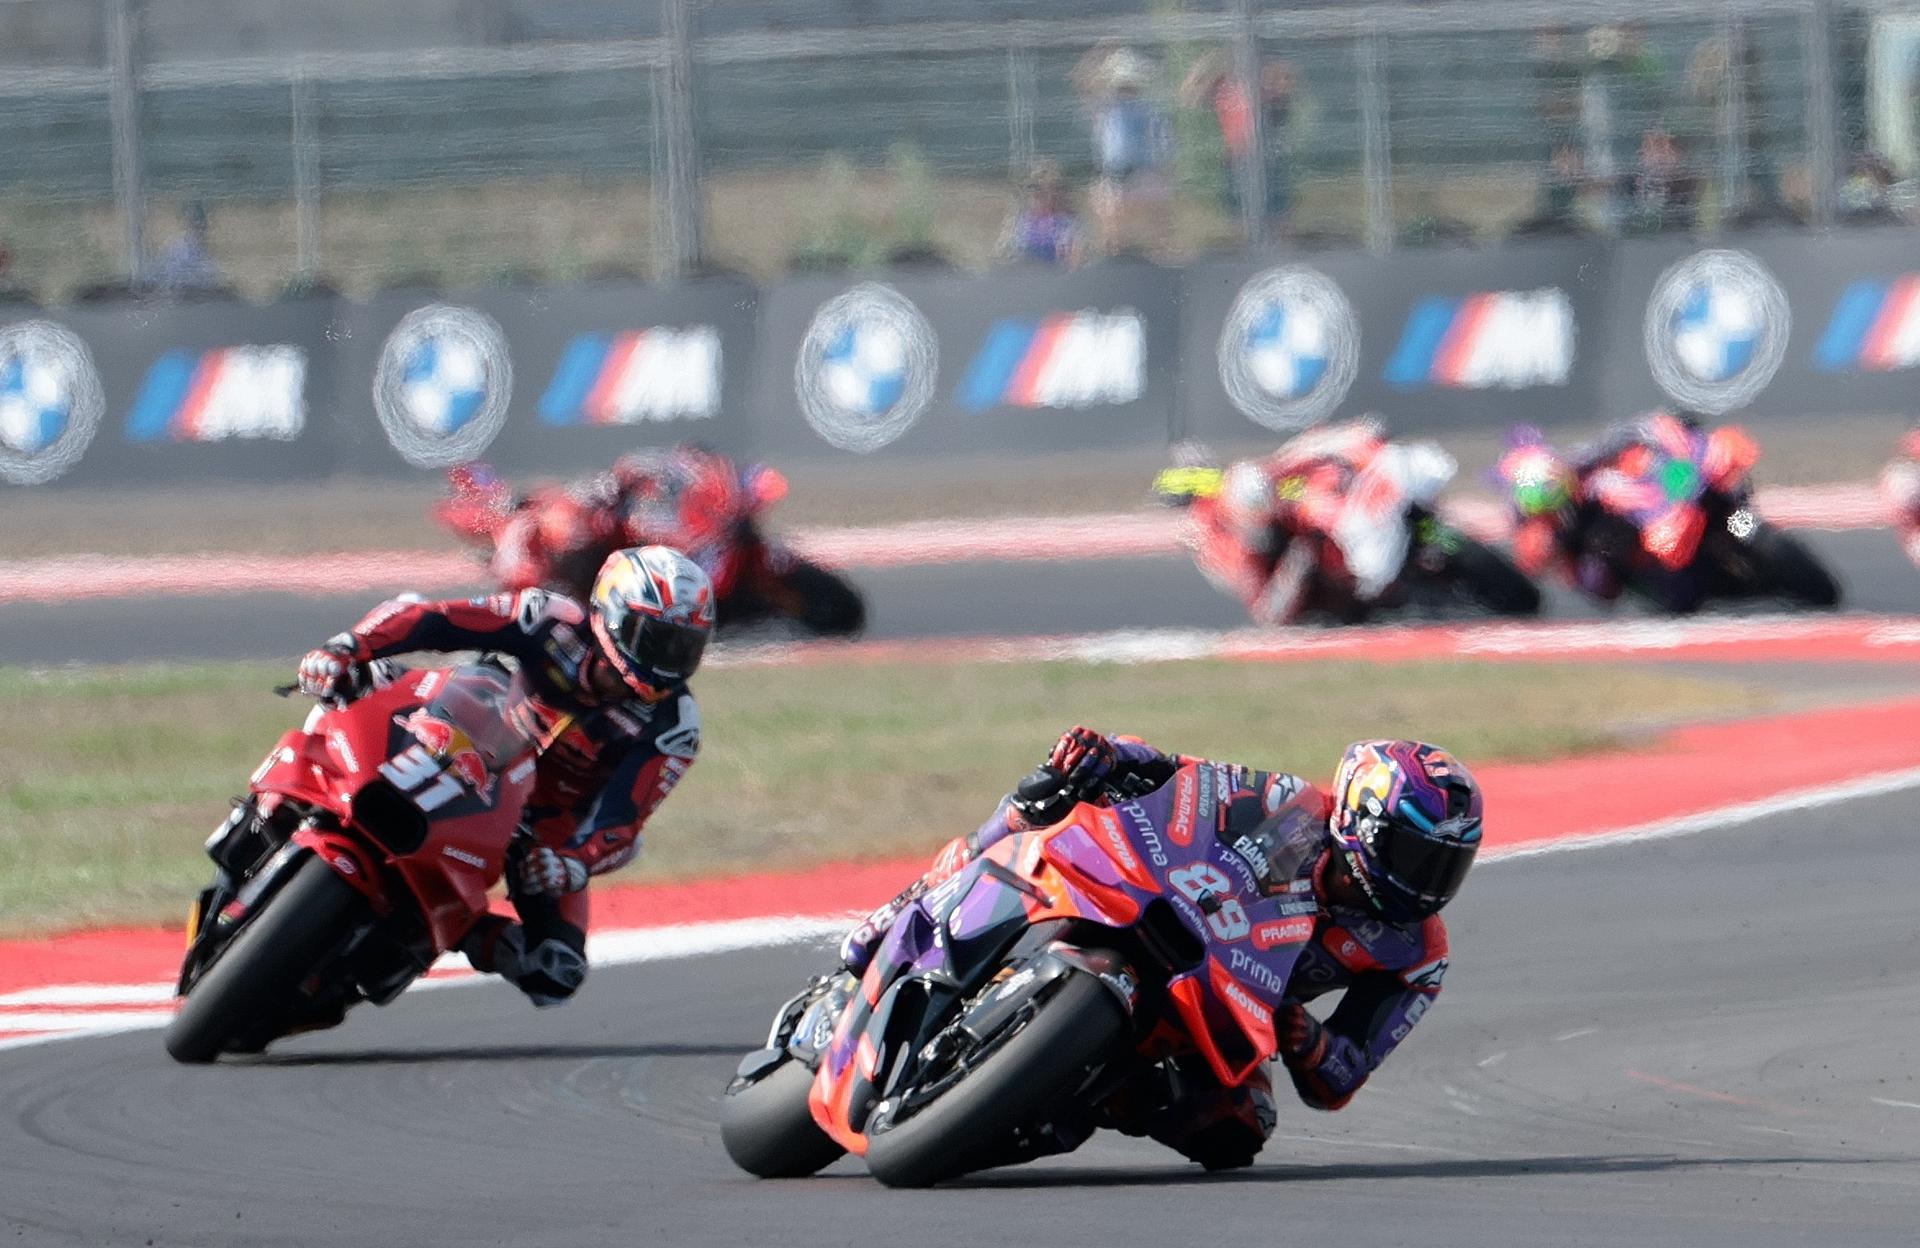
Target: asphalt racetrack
[1703,1041]
[963,599]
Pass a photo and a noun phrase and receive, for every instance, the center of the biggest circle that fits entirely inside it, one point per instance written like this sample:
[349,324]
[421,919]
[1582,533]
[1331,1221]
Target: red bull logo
[452,746]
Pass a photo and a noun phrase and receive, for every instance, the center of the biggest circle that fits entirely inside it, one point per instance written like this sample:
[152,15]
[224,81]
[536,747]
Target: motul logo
[1283,932]
[1232,991]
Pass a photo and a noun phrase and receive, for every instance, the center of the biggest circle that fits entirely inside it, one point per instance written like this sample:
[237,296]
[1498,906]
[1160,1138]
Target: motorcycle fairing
[345,762]
[1115,867]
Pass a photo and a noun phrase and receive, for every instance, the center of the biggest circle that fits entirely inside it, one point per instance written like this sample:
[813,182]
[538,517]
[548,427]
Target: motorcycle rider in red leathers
[1280,510]
[684,497]
[1900,487]
[609,693]
[1383,851]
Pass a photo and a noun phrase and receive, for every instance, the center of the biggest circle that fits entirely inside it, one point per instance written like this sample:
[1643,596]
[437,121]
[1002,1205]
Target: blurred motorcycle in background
[1900,487]
[556,536]
[1339,524]
[1663,508]
[364,850]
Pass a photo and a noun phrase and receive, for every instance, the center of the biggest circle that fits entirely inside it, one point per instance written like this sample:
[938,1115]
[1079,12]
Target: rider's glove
[1084,760]
[1303,1041]
[329,671]
[550,872]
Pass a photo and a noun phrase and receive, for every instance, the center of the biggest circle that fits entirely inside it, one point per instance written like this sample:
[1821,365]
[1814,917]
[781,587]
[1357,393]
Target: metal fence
[658,136]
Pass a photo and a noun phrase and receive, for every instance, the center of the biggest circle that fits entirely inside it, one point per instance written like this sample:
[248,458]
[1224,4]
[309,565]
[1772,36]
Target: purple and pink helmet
[1406,816]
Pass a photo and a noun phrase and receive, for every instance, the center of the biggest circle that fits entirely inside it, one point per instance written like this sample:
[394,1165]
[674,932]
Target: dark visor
[668,649]
[1429,866]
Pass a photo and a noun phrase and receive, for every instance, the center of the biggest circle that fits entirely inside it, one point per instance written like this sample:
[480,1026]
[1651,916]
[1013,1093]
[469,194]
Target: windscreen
[476,700]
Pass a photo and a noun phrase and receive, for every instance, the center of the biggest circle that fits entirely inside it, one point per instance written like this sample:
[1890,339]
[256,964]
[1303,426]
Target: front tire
[1076,1028]
[768,1130]
[828,605]
[258,975]
[1491,581]
[1793,572]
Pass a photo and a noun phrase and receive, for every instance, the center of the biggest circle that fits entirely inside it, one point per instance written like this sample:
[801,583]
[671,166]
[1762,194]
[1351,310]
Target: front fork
[249,856]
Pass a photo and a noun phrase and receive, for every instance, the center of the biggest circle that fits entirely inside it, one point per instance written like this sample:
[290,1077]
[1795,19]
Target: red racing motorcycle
[363,851]
[557,536]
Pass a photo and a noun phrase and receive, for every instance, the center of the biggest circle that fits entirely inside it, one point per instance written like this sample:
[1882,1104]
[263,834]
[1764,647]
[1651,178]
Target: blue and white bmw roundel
[867,368]
[50,401]
[1290,348]
[443,385]
[1716,330]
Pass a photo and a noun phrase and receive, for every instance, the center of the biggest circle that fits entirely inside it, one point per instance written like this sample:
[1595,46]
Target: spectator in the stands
[186,264]
[1666,193]
[1215,84]
[1044,228]
[1131,195]
[1867,192]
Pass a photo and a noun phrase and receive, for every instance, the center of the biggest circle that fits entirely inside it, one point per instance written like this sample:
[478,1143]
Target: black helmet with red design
[652,612]
[1406,817]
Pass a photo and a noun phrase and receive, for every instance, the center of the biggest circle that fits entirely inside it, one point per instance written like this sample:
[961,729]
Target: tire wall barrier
[920,364]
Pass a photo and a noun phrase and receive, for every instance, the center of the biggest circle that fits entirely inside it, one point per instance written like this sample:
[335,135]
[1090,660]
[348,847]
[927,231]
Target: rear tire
[829,605]
[1793,572]
[1491,580]
[768,1130]
[259,973]
[1080,1025]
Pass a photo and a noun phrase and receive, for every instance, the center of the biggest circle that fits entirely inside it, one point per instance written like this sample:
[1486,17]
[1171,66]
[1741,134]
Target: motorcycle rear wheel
[259,973]
[768,1130]
[1079,1026]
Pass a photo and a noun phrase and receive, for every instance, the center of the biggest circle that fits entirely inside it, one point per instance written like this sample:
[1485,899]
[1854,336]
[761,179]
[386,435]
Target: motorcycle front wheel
[1792,571]
[768,1130]
[823,602]
[1490,580]
[258,975]
[1078,1027]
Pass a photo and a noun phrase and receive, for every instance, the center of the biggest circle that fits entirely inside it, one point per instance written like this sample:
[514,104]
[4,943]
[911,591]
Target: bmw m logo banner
[229,392]
[1875,328]
[634,377]
[1068,359]
[1502,339]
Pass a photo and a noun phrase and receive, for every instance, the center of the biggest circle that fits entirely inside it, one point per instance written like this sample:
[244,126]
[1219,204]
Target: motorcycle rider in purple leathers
[1382,852]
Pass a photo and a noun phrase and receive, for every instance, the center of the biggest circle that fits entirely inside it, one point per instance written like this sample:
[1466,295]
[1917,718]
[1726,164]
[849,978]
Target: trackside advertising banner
[1024,360]
[192,392]
[548,380]
[1768,326]
[1431,339]
[1780,325]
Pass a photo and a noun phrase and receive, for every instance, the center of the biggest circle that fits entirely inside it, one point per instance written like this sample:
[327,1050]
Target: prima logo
[1290,348]
[867,368]
[1243,963]
[1716,330]
[50,401]
[442,386]
[1148,834]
